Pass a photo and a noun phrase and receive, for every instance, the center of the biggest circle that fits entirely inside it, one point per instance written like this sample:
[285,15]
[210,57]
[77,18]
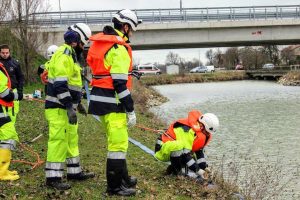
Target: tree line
[19,30]
[250,57]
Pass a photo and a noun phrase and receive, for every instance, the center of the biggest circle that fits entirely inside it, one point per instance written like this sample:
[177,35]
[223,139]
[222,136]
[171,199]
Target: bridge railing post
[276,12]
[254,17]
[265,13]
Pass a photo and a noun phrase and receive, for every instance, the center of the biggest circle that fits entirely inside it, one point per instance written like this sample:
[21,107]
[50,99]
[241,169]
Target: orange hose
[33,164]
[148,129]
[34,99]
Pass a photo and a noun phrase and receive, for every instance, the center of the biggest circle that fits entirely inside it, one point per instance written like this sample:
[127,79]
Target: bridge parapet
[172,15]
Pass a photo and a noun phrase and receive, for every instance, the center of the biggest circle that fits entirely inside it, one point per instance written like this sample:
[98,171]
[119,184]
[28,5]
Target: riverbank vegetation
[292,79]
[193,78]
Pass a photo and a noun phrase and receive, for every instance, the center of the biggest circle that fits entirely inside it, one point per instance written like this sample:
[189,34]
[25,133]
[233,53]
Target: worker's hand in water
[208,170]
[72,116]
[131,119]
[81,109]
[203,174]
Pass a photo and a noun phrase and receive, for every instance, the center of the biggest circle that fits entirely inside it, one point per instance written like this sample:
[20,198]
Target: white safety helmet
[50,51]
[83,30]
[127,16]
[210,122]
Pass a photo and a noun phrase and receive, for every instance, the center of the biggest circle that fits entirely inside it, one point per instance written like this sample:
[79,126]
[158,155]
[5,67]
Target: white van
[148,69]
[210,68]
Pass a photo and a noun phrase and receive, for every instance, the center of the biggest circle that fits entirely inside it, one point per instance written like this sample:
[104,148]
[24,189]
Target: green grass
[152,181]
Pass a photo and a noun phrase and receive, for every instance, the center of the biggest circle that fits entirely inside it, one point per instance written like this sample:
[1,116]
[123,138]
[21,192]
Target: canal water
[258,143]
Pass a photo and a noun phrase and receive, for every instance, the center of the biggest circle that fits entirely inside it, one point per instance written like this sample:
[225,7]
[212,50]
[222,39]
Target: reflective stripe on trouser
[73,165]
[115,125]
[54,169]
[176,148]
[8,136]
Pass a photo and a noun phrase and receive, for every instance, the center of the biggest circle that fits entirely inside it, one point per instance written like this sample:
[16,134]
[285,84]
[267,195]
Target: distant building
[172,69]
[291,54]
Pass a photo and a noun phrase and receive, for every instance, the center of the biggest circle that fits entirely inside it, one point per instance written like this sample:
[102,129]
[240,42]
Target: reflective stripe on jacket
[200,140]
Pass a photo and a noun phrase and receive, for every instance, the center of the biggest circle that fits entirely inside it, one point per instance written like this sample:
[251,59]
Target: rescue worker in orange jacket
[183,139]
[110,60]
[8,134]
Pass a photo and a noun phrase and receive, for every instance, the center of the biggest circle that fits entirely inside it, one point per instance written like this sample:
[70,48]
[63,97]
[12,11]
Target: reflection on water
[259,124]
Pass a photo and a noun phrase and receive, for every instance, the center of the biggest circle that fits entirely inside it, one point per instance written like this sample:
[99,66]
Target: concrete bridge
[275,73]
[189,27]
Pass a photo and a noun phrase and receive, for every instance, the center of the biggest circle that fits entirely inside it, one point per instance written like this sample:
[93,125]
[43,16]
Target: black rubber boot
[57,183]
[176,164]
[128,181]
[81,176]
[114,173]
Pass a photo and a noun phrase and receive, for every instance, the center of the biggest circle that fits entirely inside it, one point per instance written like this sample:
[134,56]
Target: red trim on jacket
[2,102]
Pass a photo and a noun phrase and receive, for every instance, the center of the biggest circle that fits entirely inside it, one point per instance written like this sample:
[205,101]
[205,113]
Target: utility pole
[180,6]
[59,7]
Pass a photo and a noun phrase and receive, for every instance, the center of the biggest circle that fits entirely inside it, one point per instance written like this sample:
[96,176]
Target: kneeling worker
[183,139]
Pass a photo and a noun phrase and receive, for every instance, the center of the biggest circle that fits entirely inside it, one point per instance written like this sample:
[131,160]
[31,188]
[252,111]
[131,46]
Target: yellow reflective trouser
[115,125]
[8,136]
[63,137]
[167,148]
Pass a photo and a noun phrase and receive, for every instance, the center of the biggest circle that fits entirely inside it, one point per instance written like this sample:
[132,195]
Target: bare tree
[210,56]
[172,58]
[231,57]
[218,58]
[272,52]
[26,29]
[4,6]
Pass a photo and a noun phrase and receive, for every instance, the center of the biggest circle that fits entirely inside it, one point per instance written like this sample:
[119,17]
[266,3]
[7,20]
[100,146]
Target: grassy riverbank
[292,78]
[194,78]
[153,183]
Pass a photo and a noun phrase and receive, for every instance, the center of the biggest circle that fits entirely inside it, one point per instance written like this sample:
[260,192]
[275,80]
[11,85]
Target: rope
[38,162]
[133,141]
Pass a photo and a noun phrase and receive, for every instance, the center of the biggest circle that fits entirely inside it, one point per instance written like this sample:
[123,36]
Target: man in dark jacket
[13,68]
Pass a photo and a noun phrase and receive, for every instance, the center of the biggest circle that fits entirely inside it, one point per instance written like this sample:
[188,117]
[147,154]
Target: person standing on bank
[13,68]
[8,134]
[62,100]
[110,59]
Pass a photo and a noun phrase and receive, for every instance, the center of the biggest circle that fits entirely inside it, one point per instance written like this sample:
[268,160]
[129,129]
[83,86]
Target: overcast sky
[160,55]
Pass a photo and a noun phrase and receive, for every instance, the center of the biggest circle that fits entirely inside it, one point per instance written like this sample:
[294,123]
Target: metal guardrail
[171,15]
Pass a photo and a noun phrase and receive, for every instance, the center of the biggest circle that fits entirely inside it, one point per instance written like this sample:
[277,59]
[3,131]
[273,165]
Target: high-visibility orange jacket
[2,102]
[100,46]
[200,141]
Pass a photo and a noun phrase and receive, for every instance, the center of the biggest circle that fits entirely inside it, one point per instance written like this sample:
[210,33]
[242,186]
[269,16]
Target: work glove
[72,116]
[20,96]
[203,174]
[81,109]
[131,119]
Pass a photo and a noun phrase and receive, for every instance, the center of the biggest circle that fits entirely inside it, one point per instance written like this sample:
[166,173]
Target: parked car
[210,68]
[268,66]
[199,69]
[239,67]
[148,70]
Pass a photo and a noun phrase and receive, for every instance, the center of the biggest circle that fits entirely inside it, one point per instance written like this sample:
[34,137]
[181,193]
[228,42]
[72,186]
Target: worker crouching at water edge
[62,101]
[184,141]
[8,134]
[110,59]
